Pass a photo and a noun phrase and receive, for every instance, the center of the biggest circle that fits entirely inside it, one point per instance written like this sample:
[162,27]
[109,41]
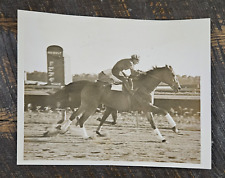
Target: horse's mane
[148,72]
[152,70]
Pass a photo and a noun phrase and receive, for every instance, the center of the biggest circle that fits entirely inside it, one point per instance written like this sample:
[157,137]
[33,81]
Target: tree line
[42,76]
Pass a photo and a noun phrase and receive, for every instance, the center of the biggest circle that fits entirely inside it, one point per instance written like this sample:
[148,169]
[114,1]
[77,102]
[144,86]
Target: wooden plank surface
[139,9]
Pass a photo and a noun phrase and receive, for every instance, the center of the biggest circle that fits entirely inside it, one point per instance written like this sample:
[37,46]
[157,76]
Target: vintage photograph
[103,91]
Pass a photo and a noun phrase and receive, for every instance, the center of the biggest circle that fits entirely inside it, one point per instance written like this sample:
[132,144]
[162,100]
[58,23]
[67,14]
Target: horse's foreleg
[82,120]
[82,128]
[158,110]
[104,117]
[171,122]
[150,118]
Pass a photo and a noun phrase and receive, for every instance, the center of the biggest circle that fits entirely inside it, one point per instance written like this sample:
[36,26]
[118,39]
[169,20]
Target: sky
[93,44]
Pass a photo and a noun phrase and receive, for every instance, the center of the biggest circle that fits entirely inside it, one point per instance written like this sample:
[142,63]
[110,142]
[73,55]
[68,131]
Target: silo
[55,65]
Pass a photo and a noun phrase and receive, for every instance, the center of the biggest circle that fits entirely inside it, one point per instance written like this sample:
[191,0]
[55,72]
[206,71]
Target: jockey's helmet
[135,56]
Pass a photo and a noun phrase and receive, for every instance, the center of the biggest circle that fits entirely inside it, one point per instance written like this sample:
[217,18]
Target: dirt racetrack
[131,139]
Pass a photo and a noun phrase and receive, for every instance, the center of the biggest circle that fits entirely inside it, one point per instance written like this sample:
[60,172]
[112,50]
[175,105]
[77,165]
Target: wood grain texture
[133,9]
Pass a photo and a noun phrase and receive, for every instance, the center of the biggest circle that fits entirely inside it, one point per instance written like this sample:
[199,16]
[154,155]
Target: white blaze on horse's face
[176,85]
[172,79]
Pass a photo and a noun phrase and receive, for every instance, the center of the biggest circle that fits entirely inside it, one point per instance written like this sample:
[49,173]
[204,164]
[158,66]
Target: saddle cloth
[116,87]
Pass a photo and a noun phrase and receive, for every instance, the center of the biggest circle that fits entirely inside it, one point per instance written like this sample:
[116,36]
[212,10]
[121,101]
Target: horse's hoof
[164,140]
[60,121]
[175,130]
[50,133]
[113,123]
[46,134]
[99,119]
[58,127]
[63,131]
[99,134]
[88,138]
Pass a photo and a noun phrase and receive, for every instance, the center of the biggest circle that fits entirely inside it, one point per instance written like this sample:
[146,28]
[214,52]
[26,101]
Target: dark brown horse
[94,94]
[70,97]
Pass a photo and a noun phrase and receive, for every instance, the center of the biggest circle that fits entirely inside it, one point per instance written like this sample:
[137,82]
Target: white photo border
[205,114]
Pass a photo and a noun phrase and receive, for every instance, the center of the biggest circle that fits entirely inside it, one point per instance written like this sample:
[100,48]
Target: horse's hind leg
[104,117]
[63,118]
[114,116]
[82,120]
[150,118]
[65,125]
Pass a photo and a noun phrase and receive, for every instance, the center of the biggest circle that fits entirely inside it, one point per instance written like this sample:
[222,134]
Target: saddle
[123,88]
[117,86]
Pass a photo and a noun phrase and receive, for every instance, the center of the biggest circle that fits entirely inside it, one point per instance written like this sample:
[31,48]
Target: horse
[94,94]
[70,97]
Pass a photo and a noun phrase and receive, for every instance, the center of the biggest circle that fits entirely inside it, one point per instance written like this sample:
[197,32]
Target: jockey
[126,64]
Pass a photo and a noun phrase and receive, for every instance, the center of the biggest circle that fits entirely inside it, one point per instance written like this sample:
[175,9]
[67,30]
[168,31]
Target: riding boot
[130,83]
[128,88]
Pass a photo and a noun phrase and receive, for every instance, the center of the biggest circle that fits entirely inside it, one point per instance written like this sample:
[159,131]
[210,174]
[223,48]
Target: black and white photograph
[113,91]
